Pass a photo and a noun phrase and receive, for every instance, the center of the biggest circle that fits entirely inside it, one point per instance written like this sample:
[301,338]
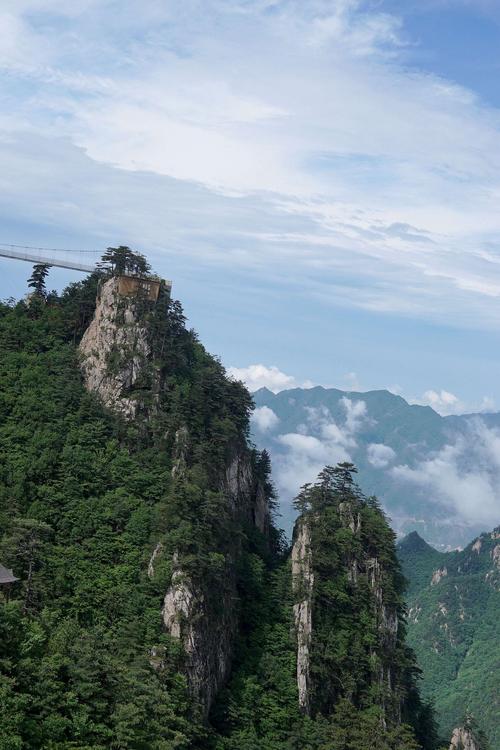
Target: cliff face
[115,351]
[206,630]
[206,620]
[348,601]
[302,584]
[463,738]
[118,364]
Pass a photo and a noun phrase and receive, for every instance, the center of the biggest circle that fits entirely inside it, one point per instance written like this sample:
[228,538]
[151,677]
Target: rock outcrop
[464,738]
[118,365]
[116,353]
[302,583]
[360,574]
[245,495]
[206,630]
[438,575]
[206,621]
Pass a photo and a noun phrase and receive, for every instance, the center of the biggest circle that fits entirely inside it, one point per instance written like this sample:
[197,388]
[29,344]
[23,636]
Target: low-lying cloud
[380,455]
[265,418]
[306,453]
[261,376]
[464,476]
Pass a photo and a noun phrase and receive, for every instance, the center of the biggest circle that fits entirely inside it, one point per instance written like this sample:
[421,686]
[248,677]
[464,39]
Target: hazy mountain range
[437,475]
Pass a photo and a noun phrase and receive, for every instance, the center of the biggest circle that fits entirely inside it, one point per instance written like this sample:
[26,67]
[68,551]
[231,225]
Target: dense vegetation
[85,497]
[352,708]
[453,627]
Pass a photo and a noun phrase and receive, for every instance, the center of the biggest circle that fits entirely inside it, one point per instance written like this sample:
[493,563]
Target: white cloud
[366,180]
[380,455]
[265,418]
[487,405]
[307,445]
[261,376]
[356,414]
[464,476]
[442,401]
[305,457]
[320,441]
[352,381]
[446,403]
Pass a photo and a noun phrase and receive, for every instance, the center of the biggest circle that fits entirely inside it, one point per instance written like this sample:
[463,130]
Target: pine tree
[120,260]
[37,279]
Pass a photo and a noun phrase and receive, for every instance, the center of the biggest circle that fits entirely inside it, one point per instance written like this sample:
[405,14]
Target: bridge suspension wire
[49,249]
[32,254]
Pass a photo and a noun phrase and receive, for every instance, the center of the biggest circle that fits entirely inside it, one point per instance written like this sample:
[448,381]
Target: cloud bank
[464,476]
[306,454]
[264,418]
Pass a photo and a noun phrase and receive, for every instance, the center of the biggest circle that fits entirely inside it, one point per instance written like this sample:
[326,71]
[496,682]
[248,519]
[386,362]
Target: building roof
[7,576]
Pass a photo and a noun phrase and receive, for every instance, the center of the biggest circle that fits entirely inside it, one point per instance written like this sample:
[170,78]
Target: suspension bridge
[70,259]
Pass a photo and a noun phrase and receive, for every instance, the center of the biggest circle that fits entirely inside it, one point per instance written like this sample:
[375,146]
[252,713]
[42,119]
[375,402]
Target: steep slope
[127,512]
[468,736]
[328,666]
[157,607]
[454,627]
[402,452]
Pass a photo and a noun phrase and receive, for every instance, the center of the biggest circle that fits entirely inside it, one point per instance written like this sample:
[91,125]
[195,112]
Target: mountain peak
[413,542]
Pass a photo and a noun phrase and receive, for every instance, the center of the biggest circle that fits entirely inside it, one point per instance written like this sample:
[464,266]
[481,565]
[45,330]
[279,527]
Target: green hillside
[84,498]
[454,627]
[156,607]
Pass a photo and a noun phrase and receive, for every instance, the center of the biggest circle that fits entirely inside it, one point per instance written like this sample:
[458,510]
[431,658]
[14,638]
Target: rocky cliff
[116,351]
[205,618]
[124,365]
[302,584]
[468,737]
[348,608]
[463,739]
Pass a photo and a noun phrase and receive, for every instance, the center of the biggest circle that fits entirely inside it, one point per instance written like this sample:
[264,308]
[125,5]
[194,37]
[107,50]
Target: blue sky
[320,178]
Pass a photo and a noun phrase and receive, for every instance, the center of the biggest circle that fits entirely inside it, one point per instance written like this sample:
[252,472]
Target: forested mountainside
[401,452]
[326,666]
[157,606]
[131,537]
[454,628]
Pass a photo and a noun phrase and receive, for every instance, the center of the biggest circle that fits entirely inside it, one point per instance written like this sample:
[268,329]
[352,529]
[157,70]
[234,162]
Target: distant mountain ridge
[425,468]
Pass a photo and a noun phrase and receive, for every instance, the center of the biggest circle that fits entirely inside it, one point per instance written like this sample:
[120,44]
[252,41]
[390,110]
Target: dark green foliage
[83,499]
[453,626]
[37,279]
[351,710]
[120,260]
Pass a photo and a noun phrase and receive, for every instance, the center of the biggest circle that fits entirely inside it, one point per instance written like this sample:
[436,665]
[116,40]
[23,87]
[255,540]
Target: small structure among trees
[133,272]
[7,578]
